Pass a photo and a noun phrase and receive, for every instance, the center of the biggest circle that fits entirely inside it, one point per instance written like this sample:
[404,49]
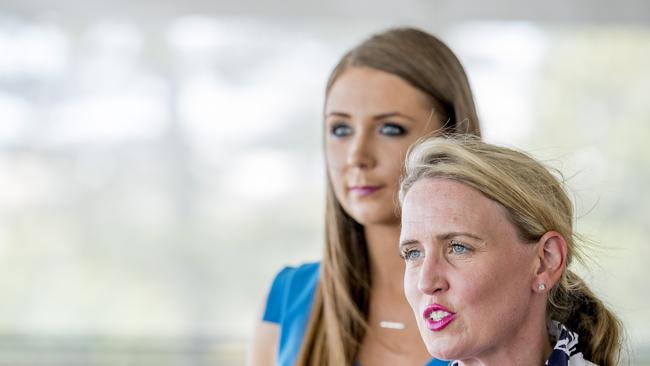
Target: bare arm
[264,345]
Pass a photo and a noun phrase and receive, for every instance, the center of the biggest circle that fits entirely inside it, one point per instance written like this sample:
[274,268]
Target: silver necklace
[392,325]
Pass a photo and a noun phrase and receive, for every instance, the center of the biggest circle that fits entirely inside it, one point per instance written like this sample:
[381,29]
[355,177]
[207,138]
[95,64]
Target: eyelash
[397,129]
[387,129]
[334,130]
[456,244]
[406,253]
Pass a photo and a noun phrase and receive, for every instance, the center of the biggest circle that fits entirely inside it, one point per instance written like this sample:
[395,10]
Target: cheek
[393,161]
[483,290]
[337,184]
[399,151]
[487,292]
[334,164]
[395,152]
[411,288]
[335,156]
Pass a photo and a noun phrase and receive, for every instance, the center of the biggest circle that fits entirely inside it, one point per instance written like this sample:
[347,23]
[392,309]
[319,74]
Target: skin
[371,119]
[264,344]
[368,132]
[462,252]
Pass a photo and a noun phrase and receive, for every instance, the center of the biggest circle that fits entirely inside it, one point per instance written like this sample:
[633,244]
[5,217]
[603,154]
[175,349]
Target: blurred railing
[109,351]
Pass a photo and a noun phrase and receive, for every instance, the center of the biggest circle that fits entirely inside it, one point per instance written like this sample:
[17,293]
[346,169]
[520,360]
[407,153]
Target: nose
[432,279]
[360,151]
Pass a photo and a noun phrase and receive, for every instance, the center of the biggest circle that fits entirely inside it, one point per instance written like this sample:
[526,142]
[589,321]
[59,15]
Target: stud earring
[541,286]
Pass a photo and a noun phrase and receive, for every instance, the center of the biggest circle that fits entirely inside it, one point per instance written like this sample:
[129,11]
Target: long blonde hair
[338,320]
[536,202]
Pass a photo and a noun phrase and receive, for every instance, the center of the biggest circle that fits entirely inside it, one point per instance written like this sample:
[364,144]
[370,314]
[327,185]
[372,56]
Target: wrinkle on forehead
[444,205]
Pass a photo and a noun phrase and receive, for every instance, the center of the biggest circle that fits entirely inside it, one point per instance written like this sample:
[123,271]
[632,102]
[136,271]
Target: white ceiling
[419,12]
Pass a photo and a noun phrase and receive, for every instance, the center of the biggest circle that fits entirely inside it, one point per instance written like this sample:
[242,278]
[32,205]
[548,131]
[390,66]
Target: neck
[388,305]
[386,267]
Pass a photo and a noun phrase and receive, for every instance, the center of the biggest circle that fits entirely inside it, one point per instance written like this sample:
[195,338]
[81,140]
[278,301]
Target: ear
[551,253]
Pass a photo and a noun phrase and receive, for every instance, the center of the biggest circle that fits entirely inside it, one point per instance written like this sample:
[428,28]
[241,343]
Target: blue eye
[458,248]
[391,129]
[340,130]
[411,255]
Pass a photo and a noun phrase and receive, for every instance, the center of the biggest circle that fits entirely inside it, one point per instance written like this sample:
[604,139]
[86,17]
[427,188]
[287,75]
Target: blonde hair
[338,320]
[536,202]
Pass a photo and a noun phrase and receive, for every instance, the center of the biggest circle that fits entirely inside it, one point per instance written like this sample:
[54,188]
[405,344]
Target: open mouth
[437,317]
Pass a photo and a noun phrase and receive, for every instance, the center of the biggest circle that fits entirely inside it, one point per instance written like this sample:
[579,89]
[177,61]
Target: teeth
[437,315]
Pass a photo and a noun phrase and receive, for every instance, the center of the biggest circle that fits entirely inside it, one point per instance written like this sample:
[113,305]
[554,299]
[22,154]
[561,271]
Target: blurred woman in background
[383,95]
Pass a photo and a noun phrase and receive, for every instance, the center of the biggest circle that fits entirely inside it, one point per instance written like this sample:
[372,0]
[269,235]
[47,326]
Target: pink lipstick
[362,191]
[437,317]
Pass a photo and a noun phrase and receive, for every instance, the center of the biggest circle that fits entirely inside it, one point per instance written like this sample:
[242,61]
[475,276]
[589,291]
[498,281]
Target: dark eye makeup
[340,130]
[392,129]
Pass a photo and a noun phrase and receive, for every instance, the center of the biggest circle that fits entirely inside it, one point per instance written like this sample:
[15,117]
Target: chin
[442,354]
[372,218]
[441,351]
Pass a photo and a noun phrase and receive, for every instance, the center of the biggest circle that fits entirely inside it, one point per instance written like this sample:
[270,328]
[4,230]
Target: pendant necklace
[392,325]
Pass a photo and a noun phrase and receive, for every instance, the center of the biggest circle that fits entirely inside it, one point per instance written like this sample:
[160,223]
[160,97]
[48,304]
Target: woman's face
[371,119]
[469,278]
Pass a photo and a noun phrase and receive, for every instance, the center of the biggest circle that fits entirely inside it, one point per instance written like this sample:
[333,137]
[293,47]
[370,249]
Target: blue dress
[289,305]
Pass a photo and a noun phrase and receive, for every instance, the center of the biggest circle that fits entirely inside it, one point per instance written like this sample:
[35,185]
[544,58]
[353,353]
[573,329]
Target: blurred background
[160,161]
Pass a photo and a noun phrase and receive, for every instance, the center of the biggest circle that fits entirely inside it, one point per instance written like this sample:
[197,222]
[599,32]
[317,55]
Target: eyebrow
[337,114]
[407,242]
[377,117]
[458,233]
[445,236]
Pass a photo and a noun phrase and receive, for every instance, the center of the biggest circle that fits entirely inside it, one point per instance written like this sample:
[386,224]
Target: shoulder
[301,271]
[291,287]
[291,279]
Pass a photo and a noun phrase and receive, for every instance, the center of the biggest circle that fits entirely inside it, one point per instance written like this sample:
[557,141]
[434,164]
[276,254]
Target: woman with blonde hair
[383,95]
[487,238]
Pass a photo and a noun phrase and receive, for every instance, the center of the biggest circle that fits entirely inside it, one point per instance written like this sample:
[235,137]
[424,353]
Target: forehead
[437,204]
[358,86]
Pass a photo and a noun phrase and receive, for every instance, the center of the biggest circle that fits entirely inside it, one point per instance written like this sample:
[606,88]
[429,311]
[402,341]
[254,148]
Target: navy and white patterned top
[566,352]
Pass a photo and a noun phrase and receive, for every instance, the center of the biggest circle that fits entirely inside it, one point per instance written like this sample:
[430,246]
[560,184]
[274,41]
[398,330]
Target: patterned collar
[566,352]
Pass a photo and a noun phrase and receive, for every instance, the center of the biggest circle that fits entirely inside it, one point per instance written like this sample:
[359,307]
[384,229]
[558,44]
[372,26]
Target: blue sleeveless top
[289,305]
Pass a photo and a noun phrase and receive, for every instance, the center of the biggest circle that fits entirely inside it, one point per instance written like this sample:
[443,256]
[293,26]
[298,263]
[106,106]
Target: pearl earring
[541,286]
